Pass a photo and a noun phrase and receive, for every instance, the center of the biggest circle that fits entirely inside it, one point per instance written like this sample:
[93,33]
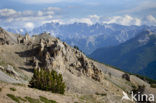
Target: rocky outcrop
[54,54]
[24,39]
[126,76]
[7,38]
[3,38]
[9,70]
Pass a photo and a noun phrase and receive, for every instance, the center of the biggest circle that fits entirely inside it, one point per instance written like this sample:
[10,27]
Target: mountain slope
[137,55]
[85,79]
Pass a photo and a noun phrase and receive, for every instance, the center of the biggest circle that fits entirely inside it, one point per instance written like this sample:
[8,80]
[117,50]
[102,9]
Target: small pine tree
[48,80]
[76,47]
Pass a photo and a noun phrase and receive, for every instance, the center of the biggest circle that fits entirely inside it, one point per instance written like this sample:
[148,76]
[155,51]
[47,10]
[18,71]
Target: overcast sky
[32,13]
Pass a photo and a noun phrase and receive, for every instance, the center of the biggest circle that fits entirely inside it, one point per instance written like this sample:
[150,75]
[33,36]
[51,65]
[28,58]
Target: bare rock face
[24,39]
[6,37]
[54,54]
[1,68]
[10,70]
[3,37]
[126,77]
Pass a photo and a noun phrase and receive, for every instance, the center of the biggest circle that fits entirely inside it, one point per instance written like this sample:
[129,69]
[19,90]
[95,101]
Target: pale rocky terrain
[87,81]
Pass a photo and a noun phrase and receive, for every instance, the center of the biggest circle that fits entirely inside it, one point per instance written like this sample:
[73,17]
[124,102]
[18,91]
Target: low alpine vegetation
[32,100]
[14,98]
[13,89]
[45,100]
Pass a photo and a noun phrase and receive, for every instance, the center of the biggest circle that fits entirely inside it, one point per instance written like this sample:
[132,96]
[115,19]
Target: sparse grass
[32,100]
[153,85]
[45,100]
[42,99]
[13,89]
[22,99]
[144,78]
[134,87]
[114,67]
[2,63]
[14,98]
[18,84]
[88,99]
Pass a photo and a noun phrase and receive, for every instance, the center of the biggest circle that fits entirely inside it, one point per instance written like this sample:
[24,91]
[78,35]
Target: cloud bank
[122,20]
[11,17]
[30,18]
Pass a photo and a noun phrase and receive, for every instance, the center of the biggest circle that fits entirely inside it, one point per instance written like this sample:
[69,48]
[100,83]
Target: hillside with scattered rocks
[87,81]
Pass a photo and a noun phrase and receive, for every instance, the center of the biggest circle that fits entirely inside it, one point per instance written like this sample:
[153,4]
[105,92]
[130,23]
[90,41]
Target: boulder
[1,68]
[9,69]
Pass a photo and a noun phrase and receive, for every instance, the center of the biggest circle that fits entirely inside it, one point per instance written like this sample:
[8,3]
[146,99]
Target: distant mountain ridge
[137,55]
[90,37]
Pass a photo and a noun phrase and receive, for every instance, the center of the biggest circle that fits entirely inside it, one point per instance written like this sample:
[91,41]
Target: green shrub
[32,100]
[14,98]
[21,99]
[0,89]
[13,89]
[76,47]
[45,100]
[48,80]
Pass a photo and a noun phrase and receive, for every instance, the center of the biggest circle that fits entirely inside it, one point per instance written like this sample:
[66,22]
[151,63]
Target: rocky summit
[87,81]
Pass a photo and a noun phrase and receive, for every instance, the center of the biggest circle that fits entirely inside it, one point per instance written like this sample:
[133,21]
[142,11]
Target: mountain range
[137,55]
[88,37]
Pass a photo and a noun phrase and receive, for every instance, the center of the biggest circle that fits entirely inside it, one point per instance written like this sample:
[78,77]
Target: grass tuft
[21,99]
[32,100]
[45,100]
[13,89]
[14,98]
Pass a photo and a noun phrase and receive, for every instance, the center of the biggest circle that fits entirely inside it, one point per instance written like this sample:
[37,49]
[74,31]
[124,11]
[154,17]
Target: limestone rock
[55,54]
[9,69]
[1,68]
[7,38]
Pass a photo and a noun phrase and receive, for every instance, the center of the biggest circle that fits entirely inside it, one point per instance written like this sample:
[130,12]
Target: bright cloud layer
[29,25]
[10,17]
[29,19]
[124,20]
